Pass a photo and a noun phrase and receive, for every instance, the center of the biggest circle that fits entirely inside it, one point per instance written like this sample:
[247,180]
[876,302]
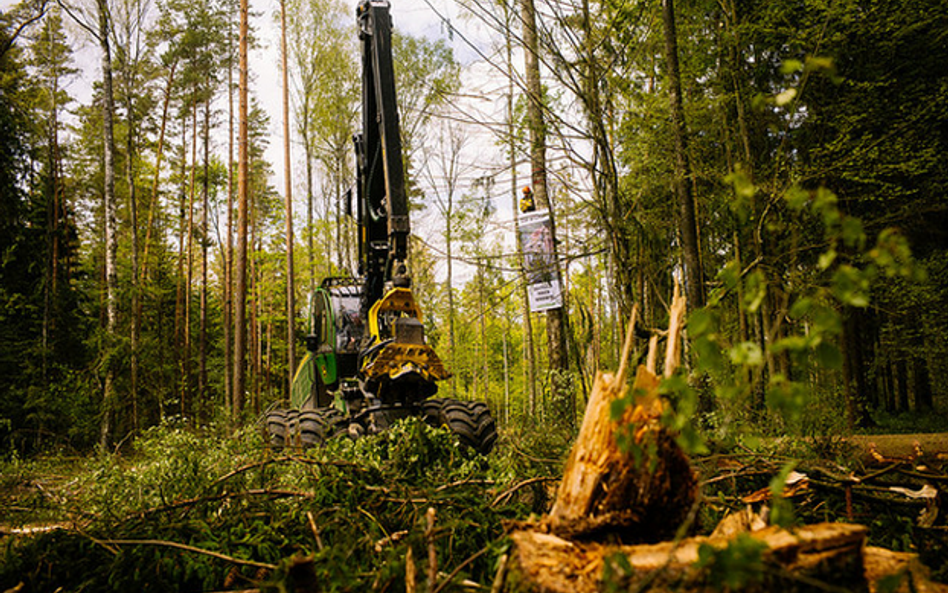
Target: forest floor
[199,512]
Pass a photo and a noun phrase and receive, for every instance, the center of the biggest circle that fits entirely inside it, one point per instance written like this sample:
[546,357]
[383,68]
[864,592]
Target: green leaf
[826,259]
[785,97]
[791,343]
[691,441]
[747,353]
[755,289]
[853,233]
[800,307]
[744,191]
[788,398]
[797,198]
[823,200]
[708,353]
[730,275]
[702,322]
[851,286]
[790,66]
[778,482]
[828,355]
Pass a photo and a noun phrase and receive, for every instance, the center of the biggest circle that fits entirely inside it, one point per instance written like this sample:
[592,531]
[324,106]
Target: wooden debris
[827,553]
[618,511]
[605,489]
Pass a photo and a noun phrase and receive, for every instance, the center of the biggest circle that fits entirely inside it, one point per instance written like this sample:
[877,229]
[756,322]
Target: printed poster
[544,288]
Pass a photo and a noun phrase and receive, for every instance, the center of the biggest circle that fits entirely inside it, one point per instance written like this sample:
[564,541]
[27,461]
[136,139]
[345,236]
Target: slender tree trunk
[186,393]
[687,223]
[310,229]
[924,399]
[135,333]
[449,245]
[482,314]
[240,296]
[153,207]
[288,189]
[529,358]
[854,388]
[229,249]
[111,236]
[202,392]
[555,318]
[179,314]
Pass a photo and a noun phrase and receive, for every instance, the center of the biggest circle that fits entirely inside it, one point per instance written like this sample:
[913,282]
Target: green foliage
[223,492]
[737,565]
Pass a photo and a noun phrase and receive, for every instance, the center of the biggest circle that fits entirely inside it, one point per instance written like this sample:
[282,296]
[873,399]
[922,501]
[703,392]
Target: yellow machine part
[400,357]
[397,302]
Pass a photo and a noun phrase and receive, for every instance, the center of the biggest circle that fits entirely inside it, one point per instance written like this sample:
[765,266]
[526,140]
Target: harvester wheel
[319,425]
[470,421]
[275,421]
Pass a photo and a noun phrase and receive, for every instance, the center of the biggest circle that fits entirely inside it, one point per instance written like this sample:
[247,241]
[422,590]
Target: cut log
[805,560]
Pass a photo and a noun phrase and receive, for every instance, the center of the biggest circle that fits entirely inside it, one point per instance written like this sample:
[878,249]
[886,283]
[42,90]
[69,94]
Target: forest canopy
[784,160]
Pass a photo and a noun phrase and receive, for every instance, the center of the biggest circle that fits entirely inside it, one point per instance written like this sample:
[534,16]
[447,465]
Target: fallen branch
[218,497]
[458,569]
[506,494]
[186,548]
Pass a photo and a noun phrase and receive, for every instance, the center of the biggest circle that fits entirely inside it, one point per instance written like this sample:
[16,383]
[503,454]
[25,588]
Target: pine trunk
[240,272]
[687,222]
[288,189]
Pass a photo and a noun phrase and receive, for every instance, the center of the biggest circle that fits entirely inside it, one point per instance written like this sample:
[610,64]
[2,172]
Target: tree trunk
[288,189]
[687,223]
[186,393]
[179,319]
[240,284]
[901,373]
[853,377]
[134,338]
[529,360]
[111,236]
[202,392]
[229,249]
[153,207]
[556,320]
[924,400]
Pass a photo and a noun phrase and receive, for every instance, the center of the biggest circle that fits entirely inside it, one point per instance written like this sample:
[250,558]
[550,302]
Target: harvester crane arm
[382,197]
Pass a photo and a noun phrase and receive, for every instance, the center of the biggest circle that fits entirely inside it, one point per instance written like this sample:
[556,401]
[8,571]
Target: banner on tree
[539,262]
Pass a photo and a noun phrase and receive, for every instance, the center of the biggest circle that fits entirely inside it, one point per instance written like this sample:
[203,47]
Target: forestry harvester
[368,363]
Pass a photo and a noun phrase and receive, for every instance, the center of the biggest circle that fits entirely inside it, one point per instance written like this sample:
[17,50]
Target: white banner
[543,275]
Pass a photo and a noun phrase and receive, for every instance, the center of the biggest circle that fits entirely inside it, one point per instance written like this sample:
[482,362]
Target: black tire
[318,426]
[276,428]
[470,421]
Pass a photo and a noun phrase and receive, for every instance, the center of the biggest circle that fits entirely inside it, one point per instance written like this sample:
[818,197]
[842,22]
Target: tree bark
[240,280]
[288,189]
[229,250]
[529,359]
[202,392]
[556,319]
[924,400]
[687,222]
[111,236]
